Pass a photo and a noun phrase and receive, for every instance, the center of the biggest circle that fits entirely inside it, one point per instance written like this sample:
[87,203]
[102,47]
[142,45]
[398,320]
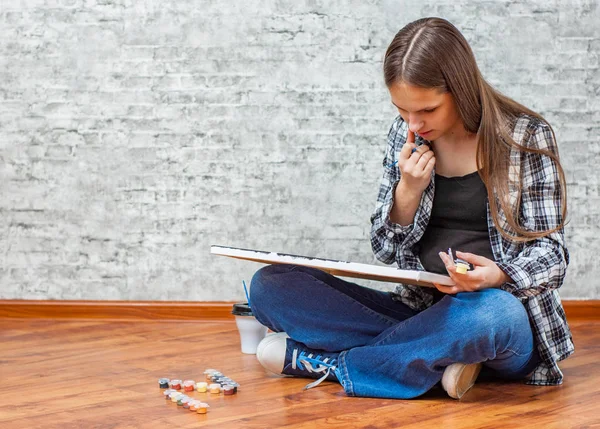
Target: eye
[430,110]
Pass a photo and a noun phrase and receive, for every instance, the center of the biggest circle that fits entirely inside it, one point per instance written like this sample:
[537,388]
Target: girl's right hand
[415,167]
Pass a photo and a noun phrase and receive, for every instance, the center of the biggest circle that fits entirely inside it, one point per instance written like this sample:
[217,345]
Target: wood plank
[72,374]
[179,310]
[582,309]
[116,310]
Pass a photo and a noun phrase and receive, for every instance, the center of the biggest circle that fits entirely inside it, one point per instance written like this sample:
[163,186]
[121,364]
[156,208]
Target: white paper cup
[250,329]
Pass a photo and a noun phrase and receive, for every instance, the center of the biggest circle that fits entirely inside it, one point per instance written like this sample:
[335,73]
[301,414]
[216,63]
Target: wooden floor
[74,374]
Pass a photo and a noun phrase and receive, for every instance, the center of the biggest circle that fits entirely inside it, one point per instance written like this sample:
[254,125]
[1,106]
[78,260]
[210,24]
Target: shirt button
[390,234]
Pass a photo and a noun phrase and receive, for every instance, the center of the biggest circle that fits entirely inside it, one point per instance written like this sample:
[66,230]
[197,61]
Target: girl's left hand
[485,274]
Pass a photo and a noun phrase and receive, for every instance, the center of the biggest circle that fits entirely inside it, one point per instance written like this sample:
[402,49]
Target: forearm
[405,205]
[538,269]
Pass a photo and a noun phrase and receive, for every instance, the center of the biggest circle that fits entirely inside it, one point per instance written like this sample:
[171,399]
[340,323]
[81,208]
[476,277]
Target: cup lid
[241,309]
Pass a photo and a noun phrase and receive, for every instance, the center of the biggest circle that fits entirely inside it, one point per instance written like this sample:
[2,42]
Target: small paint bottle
[214,388]
[175,396]
[167,393]
[193,404]
[201,386]
[220,380]
[163,383]
[182,398]
[186,403]
[202,408]
[209,373]
[231,382]
[176,384]
[188,385]
[228,389]
[461,266]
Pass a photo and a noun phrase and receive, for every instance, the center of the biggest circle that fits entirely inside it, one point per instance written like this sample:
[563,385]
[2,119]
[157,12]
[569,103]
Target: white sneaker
[271,352]
[458,378]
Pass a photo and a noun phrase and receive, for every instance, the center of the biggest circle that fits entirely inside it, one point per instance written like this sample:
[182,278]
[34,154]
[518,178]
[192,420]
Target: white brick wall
[135,134]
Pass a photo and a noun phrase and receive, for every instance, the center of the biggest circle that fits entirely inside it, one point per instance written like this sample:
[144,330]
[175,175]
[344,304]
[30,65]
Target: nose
[415,124]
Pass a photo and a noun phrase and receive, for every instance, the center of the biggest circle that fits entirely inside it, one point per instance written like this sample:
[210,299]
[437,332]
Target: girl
[466,168]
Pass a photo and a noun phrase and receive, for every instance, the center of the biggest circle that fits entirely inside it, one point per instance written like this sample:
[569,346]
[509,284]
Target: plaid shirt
[537,268]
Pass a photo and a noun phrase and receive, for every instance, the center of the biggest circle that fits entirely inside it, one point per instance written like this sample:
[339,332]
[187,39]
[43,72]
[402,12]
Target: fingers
[429,167]
[424,159]
[447,289]
[473,259]
[417,152]
[406,150]
[411,137]
[420,163]
[448,262]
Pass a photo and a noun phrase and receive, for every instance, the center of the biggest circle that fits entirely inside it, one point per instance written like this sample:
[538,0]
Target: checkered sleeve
[541,265]
[386,235]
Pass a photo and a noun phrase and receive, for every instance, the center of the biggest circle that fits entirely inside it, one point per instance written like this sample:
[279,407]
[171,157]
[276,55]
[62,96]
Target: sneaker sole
[458,379]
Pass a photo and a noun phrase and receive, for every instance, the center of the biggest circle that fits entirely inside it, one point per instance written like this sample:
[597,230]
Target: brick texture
[135,134]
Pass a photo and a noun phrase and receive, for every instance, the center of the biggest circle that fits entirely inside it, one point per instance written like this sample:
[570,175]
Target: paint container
[211,375]
[186,403]
[167,393]
[182,398]
[214,388]
[202,408]
[201,386]
[221,380]
[193,405]
[175,396]
[188,385]
[462,266]
[233,386]
[210,371]
[163,383]
[250,329]
[176,384]
[228,389]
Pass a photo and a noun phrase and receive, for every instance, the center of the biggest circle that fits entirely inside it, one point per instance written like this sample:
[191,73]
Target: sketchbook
[338,268]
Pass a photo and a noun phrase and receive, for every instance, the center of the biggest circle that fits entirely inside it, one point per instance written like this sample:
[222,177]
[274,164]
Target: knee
[497,310]
[265,282]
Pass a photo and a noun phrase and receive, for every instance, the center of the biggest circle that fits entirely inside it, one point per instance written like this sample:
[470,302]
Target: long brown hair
[432,53]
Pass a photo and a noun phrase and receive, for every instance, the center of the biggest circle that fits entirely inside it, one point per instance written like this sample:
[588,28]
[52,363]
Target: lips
[425,133]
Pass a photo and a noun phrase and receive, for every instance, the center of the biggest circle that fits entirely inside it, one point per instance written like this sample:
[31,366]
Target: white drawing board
[338,268]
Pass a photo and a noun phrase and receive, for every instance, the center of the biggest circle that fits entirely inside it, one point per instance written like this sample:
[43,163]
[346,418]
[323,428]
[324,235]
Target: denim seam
[380,316]
[518,354]
[346,382]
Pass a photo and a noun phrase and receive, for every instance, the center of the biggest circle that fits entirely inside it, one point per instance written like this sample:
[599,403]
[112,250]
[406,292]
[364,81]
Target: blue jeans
[388,350]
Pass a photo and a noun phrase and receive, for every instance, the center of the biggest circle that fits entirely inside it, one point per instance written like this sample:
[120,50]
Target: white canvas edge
[354,267]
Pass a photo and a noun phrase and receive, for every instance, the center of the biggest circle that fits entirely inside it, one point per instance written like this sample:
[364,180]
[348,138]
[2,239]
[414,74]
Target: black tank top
[458,220]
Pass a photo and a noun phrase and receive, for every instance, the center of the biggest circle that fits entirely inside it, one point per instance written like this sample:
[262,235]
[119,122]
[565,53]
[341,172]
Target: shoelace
[306,361]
